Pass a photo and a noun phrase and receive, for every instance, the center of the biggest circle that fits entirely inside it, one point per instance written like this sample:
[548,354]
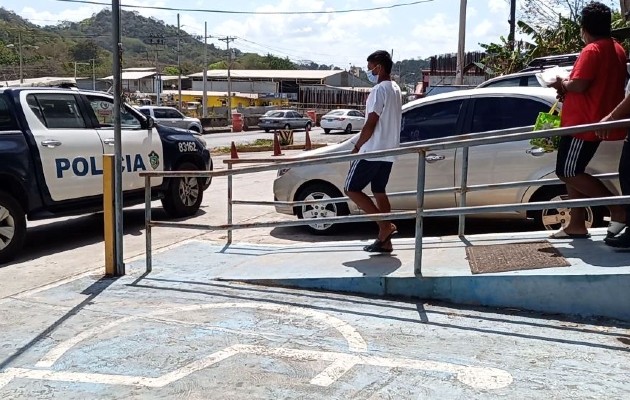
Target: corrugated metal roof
[269,73]
[132,76]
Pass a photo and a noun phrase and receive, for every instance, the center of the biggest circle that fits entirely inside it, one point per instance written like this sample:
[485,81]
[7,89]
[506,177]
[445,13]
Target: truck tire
[183,195]
[12,227]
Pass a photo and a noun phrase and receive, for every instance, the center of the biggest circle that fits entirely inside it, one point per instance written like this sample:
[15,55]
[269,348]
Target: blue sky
[415,31]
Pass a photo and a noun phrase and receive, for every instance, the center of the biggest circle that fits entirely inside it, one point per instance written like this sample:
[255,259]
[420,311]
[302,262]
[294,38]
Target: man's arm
[367,131]
[622,111]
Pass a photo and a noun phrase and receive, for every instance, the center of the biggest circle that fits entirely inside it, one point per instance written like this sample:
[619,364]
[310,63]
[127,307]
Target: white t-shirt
[385,100]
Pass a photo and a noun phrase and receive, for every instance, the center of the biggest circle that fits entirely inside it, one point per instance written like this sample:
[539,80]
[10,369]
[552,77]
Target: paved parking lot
[169,335]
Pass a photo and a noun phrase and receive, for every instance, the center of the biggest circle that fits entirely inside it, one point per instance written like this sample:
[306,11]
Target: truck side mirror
[148,123]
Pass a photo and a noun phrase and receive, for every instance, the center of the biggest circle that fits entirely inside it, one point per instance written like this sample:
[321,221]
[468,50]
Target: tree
[84,50]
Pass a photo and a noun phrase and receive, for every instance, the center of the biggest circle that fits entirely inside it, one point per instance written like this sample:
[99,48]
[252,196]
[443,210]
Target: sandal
[561,234]
[377,247]
[614,228]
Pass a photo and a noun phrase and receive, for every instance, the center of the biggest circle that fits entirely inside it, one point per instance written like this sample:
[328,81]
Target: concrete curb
[584,295]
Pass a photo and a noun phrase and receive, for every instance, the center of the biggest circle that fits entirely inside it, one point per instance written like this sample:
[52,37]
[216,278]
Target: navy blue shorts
[363,172]
[573,156]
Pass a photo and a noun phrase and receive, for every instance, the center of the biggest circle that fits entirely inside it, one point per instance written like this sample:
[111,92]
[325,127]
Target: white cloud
[483,28]
[498,6]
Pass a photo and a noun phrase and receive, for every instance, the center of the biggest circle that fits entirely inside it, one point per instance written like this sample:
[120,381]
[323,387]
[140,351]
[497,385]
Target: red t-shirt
[603,63]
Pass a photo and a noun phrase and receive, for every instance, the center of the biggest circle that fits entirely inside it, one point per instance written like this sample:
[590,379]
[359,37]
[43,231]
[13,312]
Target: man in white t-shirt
[383,113]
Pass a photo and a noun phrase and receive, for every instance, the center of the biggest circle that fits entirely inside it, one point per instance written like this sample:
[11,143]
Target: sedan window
[493,113]
[430,121]
[277,114]
[336,112]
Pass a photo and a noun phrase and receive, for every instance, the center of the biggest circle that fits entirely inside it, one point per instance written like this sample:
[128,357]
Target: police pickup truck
[52,143]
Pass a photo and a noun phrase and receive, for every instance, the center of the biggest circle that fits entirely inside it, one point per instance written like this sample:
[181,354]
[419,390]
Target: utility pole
[118,104]
[227,41]
[179,67]
[461,46]
[204,102]
[21,58]
[512,22]
[93,74]
[156,41]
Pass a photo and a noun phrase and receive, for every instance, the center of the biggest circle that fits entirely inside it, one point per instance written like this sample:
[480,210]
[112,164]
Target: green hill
[53,50]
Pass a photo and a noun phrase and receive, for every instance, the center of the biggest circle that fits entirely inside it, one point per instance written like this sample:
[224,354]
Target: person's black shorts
[574,155]
[363,172]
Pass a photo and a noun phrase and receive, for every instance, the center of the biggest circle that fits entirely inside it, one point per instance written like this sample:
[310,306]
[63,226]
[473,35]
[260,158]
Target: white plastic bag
[549,76]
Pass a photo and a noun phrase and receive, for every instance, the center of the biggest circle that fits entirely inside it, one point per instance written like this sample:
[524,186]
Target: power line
[102,3]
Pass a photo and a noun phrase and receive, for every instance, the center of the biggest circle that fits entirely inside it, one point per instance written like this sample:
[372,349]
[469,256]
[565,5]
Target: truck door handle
[431,158]
[51,143]
[109,142]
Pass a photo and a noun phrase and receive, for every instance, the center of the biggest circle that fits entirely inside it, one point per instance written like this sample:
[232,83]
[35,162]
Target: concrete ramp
[596,283]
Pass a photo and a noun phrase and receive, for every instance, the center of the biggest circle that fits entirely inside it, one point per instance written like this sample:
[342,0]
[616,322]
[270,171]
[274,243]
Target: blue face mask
[371,77]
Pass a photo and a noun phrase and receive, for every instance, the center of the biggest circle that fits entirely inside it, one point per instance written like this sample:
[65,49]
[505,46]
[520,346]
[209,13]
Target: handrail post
[147,222]
[463,191]
[417,262]
[229,205]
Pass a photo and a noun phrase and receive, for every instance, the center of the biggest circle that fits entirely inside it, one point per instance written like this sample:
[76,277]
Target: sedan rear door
[503,162]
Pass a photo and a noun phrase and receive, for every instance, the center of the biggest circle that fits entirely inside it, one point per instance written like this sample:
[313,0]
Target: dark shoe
[377,247]
[621,242]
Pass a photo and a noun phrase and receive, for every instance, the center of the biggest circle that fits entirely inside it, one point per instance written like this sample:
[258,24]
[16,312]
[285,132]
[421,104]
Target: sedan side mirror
[148,123]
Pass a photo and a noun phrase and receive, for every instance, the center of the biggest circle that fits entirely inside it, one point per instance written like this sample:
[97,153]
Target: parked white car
[452,114]
[343,120]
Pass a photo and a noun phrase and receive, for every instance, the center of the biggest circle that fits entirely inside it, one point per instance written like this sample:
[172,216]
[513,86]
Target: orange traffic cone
[276,145]
[307,144]
[233,153]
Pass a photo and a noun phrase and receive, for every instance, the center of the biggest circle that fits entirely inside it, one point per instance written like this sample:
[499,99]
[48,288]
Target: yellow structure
[219,99]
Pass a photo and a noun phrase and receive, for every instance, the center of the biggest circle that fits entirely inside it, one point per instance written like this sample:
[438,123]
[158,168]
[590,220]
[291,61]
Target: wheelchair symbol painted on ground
[482,378]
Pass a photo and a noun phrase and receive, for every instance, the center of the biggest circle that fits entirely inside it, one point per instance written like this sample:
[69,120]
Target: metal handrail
[421,148]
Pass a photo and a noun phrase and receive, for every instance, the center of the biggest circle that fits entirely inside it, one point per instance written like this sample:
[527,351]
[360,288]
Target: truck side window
[104,110]
[7,122]
[56,111]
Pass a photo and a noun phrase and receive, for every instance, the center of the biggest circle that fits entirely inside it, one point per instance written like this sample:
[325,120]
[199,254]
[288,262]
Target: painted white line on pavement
[356,343]
[58,351]
[333,372]
[476,377]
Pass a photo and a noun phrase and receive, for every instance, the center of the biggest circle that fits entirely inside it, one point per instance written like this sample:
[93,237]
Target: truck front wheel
[12,227]
[183,195]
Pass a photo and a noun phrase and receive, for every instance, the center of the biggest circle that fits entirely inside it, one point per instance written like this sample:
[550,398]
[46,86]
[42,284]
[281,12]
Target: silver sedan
[451,114]
[284,119]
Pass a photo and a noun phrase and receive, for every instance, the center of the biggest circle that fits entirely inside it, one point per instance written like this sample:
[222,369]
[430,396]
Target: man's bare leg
[587,186]
[385,228]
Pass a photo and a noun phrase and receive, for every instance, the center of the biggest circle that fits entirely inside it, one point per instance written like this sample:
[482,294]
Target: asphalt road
[316,134]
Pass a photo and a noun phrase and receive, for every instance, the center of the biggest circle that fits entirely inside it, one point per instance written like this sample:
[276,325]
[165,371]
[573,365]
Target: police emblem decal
[154,159]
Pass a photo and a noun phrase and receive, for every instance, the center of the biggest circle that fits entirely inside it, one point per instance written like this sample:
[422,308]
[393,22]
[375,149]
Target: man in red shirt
[591,92]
